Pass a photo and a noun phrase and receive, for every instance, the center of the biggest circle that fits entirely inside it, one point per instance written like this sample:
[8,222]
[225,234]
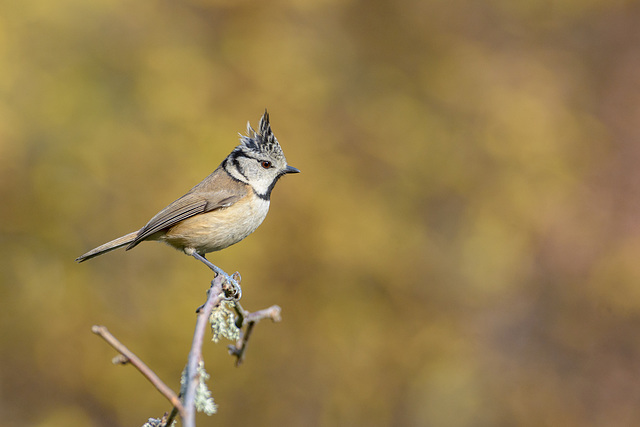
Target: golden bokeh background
[462,247]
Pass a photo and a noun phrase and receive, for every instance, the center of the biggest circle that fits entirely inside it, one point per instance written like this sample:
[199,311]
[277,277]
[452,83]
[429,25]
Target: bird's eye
[266,164]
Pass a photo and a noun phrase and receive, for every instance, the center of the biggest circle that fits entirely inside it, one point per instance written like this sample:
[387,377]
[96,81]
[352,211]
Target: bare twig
[167,421]
[195,355]
[129,357]
[238,350]
[272,313]
[223,287]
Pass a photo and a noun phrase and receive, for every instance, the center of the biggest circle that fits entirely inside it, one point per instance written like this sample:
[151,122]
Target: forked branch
[127,356]
[250,319]
[223,287]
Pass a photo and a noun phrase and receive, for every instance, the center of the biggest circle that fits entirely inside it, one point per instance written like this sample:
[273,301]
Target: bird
[224,208]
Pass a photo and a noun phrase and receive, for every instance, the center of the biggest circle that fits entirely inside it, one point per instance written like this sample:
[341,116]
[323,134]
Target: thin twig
[129,357]
[223,287]
[250,319]
[272,313]
[171,417]
[195,355]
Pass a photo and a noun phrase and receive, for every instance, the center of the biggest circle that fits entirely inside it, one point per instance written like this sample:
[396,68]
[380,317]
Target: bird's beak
[291,169]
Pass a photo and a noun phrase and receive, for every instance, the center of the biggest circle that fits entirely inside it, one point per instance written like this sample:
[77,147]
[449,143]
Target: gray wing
[185,207]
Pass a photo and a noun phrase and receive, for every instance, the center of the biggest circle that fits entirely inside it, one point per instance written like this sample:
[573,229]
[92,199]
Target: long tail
[107,247]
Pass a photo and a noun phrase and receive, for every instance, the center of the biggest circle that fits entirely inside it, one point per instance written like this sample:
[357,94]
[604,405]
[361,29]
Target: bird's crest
[263,140]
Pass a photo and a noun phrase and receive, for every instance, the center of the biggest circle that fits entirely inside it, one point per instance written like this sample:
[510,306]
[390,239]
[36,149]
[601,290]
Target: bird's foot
[231,286]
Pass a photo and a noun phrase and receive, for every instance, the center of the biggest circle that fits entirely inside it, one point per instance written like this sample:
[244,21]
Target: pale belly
[218,229]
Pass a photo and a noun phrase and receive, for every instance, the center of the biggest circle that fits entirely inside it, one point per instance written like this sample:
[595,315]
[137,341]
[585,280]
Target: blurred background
[461,248]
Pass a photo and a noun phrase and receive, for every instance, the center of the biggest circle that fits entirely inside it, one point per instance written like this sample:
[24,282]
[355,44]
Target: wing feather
[185,207]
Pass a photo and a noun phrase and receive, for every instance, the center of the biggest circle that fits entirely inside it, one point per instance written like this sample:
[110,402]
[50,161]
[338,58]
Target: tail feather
[107,247]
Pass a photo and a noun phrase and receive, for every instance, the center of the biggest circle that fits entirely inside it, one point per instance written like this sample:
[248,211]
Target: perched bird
[224,208]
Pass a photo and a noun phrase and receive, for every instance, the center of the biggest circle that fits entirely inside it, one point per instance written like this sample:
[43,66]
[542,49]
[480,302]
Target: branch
[238,350]
[195,355]
[128,357]
[223,287]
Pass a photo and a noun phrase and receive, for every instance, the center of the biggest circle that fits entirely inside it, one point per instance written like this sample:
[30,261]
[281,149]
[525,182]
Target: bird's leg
[233,281]
[208,263]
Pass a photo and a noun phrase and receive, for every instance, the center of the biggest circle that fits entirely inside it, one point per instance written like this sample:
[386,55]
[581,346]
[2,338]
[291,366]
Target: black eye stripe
[237,165]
